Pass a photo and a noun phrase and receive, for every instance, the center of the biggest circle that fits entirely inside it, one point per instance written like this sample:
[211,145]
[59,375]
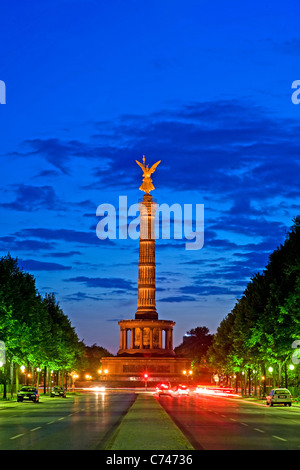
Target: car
[58,392]
[162,388]
[181,390]
[28,393]
[279,396]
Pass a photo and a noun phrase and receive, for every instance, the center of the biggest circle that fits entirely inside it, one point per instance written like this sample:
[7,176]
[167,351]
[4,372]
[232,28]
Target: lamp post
[74,376]
[146,376]
[23,372]
[270,369]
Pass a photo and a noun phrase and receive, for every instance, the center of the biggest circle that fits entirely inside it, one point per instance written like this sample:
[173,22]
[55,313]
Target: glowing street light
[146,377]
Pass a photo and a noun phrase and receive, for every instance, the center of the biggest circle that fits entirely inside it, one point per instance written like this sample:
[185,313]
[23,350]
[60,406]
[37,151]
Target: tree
[93,355]
[35,330]
[265,321]
[195,343]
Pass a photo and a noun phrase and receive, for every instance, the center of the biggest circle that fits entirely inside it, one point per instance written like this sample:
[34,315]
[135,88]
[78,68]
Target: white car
[180,390]
[279,396]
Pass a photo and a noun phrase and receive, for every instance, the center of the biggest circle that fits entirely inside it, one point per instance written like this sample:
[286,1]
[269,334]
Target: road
[217,423]
[88,421]
[73,423]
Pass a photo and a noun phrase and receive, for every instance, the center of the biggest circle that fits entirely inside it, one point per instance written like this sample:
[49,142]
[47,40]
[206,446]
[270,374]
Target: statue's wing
[141,165]
[153,168]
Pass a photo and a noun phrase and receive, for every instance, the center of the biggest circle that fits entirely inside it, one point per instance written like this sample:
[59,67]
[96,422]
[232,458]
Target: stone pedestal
[131,369]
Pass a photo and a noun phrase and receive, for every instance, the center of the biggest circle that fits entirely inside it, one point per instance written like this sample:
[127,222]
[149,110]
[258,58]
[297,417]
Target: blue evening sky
[91,86]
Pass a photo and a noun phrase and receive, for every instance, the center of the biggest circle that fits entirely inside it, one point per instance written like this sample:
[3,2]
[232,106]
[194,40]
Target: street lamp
[146,376]
[23,372]
[74,376]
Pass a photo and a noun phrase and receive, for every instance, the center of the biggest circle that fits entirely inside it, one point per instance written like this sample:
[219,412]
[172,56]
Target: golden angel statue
[147,185]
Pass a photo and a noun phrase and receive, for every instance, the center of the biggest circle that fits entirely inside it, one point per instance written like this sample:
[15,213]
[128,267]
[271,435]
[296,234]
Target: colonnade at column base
[146,337]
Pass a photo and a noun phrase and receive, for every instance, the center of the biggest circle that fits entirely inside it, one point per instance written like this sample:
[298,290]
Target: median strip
[147,426]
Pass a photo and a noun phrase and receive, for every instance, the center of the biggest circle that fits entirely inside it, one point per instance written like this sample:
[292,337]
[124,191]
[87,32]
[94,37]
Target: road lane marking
[258,430]
[280,438]
[244,424]
[16,437]
[35,429]
[59,419]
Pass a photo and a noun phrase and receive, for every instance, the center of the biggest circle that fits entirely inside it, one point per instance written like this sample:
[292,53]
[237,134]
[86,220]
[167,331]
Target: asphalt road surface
[87,422]
[217,423]
[73,423]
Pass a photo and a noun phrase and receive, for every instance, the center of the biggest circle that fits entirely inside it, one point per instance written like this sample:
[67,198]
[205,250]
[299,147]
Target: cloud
[105,283]
[178,299]
[226,146]
[232,150]
[31,198]
[64,254]
[12,244]
[67,235]
[207,290]
[79,297]
[33,265]
[61,153]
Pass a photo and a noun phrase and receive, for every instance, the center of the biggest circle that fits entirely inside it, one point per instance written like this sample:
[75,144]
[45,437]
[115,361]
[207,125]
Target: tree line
[34,332]
[260,337]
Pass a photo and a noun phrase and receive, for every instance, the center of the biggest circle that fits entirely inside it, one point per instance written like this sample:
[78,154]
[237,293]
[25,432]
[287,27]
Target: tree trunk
[17,378]
[279,374]
[285,376]
[45,380]
[11,379]
[37,379]
[264,382]
[249,382]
